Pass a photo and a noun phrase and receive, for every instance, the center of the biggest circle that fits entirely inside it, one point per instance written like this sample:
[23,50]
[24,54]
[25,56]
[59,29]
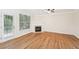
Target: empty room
[39,28]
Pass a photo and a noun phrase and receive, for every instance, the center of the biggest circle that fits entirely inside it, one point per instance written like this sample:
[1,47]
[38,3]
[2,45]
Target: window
[24,22]
[8,24]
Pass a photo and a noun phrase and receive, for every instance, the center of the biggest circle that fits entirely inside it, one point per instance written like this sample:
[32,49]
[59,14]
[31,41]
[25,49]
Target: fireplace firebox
[37,28]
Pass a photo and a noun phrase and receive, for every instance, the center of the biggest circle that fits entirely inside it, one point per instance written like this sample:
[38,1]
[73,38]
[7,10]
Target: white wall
[0,25]
[76,23]
[62,22]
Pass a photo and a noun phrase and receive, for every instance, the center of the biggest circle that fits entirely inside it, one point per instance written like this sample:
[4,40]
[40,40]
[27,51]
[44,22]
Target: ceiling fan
[50,10]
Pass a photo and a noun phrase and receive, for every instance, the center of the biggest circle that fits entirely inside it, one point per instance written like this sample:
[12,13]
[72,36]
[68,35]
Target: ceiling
[41,11]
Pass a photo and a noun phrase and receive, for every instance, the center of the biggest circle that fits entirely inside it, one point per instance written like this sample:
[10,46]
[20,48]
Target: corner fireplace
[38,29]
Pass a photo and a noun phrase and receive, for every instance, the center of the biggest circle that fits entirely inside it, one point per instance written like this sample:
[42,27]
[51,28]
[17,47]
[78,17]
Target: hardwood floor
[42,40]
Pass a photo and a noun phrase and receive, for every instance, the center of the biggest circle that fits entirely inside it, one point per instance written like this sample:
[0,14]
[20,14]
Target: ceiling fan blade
[53,10]
[48,9]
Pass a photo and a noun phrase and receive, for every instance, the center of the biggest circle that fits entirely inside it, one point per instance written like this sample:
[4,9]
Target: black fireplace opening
[37,28]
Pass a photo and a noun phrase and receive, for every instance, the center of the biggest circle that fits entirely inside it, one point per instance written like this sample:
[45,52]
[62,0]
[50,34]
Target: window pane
[8,24]
[24,22]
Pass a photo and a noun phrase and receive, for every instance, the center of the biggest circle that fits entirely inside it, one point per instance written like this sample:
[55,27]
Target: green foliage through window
[8,23]
[24,21]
